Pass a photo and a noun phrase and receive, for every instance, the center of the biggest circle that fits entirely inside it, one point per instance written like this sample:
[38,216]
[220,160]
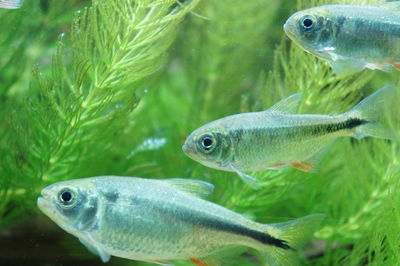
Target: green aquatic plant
[128,81]
[93,86]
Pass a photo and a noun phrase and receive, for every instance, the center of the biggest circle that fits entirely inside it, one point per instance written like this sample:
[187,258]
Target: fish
[277,137]
[159,220]
[11,4]
[350,37]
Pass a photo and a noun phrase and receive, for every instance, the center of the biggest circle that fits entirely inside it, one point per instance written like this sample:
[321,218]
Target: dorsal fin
[288,105]
[194,187]
[390,6]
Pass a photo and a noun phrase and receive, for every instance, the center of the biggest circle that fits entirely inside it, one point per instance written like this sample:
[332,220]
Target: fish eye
[67,197]
[207,142]
[307,23]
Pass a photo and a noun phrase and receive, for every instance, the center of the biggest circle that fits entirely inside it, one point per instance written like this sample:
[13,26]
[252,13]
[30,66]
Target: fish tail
[367,114]
[291,236]
[11,4]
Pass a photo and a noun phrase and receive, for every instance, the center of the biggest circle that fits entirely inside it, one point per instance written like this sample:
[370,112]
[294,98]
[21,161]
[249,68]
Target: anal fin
[396,66]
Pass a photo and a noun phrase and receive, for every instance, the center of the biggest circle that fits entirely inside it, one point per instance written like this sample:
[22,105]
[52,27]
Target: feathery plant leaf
[226,42]
[25,42]
[93,87]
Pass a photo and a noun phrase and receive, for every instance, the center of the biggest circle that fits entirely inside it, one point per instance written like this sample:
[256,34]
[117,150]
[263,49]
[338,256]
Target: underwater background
[92,88]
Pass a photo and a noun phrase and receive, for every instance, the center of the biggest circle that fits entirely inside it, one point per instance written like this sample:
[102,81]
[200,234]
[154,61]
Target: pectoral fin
[343,67]
[192,186]
[95,247]
[252,182]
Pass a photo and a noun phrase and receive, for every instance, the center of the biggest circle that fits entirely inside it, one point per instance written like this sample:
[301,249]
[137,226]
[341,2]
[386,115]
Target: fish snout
[40,201]
[186,148]
[288,27]
[43,204]
[43,200]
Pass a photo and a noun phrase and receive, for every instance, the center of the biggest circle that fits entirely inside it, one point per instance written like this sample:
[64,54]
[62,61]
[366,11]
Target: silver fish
[11,4]
[276,137]
[350,37]
[160,220]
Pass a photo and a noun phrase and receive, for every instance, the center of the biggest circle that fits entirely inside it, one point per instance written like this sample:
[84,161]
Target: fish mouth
[43,201]
[42,204]
[286,27]
[46,207]
[186,149]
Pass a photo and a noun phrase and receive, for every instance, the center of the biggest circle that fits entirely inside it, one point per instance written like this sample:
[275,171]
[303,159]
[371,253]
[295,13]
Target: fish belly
[283,154]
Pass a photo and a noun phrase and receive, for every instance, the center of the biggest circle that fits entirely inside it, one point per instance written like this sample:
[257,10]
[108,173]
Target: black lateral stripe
[301,130]
[354,122]
[219,225]
[348,124]
[262,237]
[195,218]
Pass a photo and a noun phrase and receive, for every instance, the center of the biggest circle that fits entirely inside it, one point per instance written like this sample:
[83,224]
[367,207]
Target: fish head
[72,205]
[312,30]
[209,145]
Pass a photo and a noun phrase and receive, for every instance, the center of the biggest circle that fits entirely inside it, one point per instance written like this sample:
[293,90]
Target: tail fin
[371,110]
[11,4]
[295,234]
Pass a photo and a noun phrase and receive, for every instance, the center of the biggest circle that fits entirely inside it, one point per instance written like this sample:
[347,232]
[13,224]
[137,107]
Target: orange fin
[198,262]
[304,166]
[397,66]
